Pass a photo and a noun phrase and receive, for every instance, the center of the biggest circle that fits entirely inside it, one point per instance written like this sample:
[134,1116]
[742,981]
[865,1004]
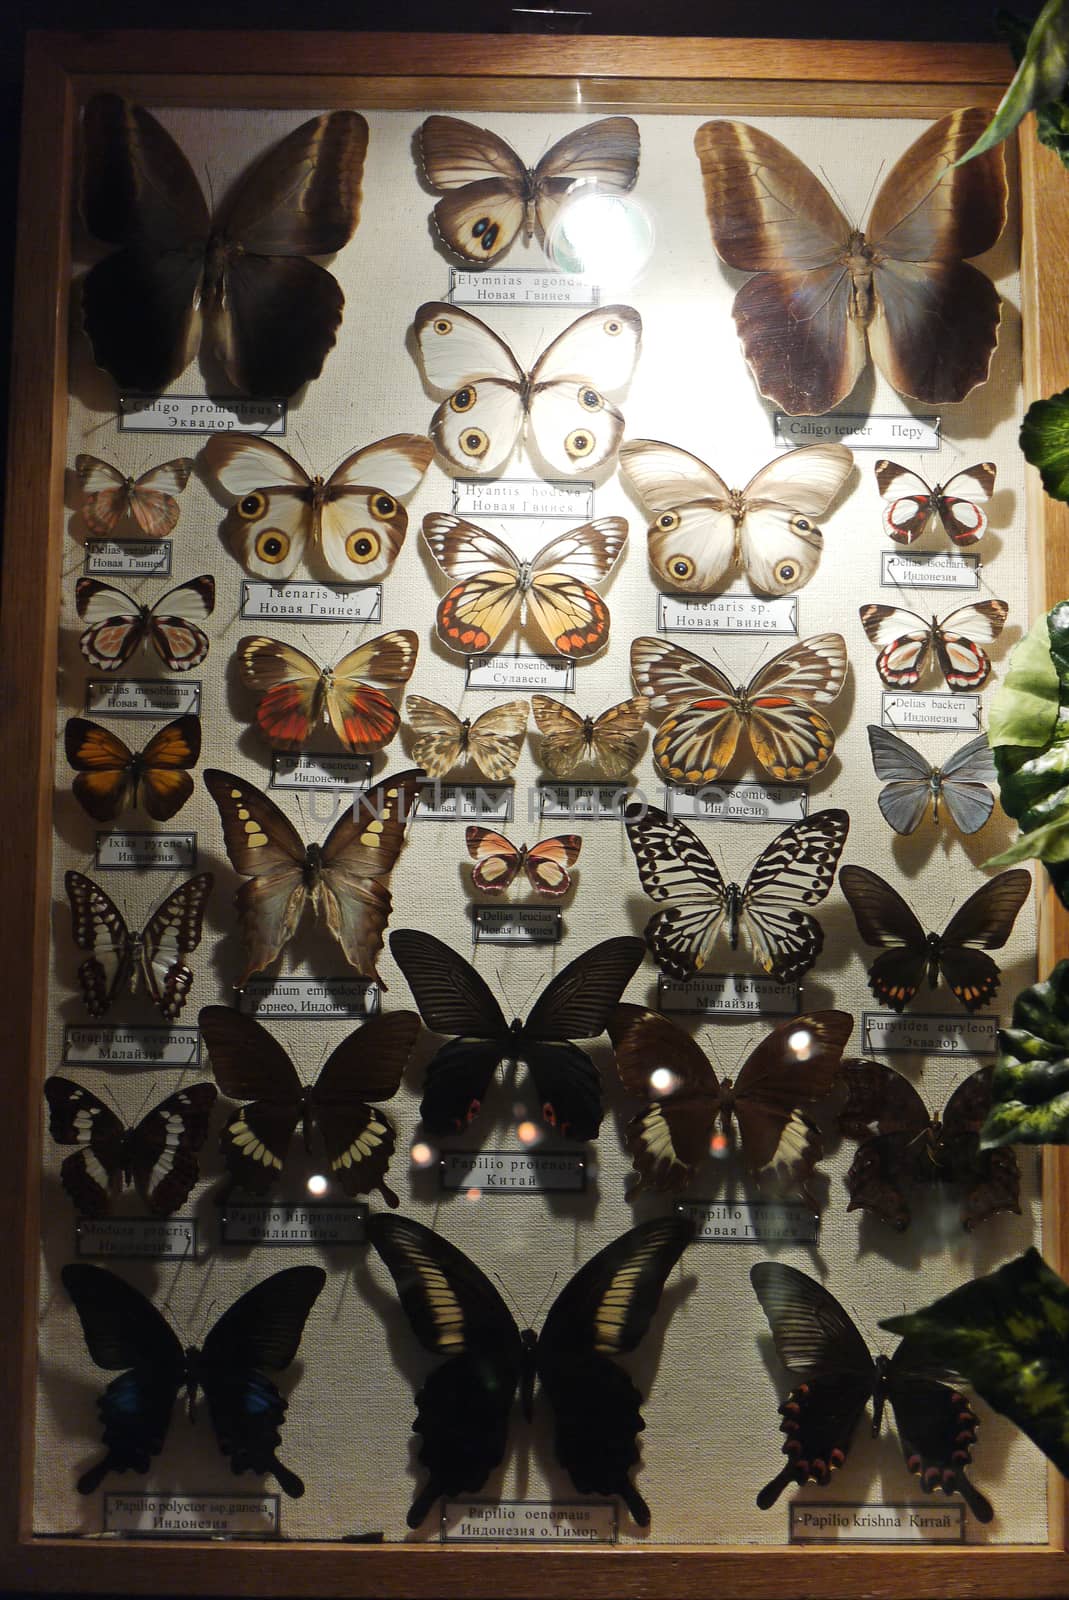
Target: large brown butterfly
[489,195]
[443,740]
[490,584]
[792,1068]
[344,878]
[609,742]
[498,860]
[354,518]
[109,495]
[250,1064]
[703,714]
[911,503]
[118,623]
[297,697]
[910,954]
[821,286]
[901,1145]
[155,957]
[158,1155]
[110,777]
[905,640]
[271,315]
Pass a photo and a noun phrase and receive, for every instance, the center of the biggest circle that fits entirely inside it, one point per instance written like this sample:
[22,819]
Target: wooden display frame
[402,71]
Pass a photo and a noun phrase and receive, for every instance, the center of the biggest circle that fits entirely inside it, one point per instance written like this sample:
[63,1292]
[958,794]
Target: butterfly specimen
[609,742]
[344,878]
[260,1333]
[561,402]
[822,290]
[488,193]
[118,623]
[498,860]
[490,585]
[910,955]
[905,640]
[703,530]
[110,777]
[154,958]
[297,697]
[443,740]
[464,1405]
[769,910]
[703,714]
[793,1067]
[912,504]
[249,1064]
[828,1360]
[158,1155]
[576,1004]
[270,315]
[911,781]
[109,495]
[354,519]
[902,1144]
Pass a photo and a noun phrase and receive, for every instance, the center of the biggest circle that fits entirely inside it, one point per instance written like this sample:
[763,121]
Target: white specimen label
[191,1516]
[738,802]
[539,1521]
[753,1222]
[521,672]
[940,569]
[198,413]
[728,613]
[131,558]
[310,602]
[142,697]
[859,431]
[729,994]
[523,497]
[512,1171]
[952,713]
[523,286]
[344,997]
[887,1033]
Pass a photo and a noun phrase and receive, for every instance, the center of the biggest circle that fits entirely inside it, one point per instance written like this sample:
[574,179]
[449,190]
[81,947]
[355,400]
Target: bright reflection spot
[473,1194]
[317,1184]
[528,1133]
[718,1145]
[607,237]
[663,1080]
[801,1043]
[421,1154]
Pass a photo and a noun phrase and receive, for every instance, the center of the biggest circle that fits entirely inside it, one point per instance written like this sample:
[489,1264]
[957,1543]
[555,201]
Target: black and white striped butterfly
[118,623]
[158,1155]
[463,1407]
[960,783]
[124,1333]
[905,640]
[154,957]
[792,873]
[835,1377]
[910,954]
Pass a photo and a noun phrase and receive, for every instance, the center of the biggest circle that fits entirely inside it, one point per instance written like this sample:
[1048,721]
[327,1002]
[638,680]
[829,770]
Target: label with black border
[888,1033]
[122,1044]
[127,558]
[464,802]
[521,672]
[730,994]
[136,1238]
[537,498]
[938,712]
[738,802]
[150,698]
[279,1222]
[583,802]
[752,1221]
[513,1171]
[139,1515]
[929,569]
[940,1521]
[198,413]
[727,613]
[343,998]
[309,602]
[516,924]
[540,1522]
[316,770]
[141,851]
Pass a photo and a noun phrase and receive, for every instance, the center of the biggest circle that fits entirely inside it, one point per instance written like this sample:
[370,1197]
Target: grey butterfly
[961,782]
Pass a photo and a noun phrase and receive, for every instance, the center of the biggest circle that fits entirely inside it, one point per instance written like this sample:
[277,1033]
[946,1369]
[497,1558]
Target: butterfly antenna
[537,985]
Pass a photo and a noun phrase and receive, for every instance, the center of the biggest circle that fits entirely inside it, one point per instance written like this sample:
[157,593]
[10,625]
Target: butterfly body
[463,1407]
[910,955]
[259,1333]
[835,1377]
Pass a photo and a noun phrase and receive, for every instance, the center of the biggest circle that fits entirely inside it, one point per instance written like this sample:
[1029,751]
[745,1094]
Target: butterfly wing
[260,1333]
[903,640]
[936,1426]
[77,1117]
[602,156]
[606,1310]
[984,922]
[273,316]
[887,1116]
[476,428]
[487,192]
[98,926]
[124,1330]
[175,626]
[910,502]
[360,1138]
[795,1065]
[250,1065]
[497,859]
[297,696]
[573,619]
[365,719]
[909,779]
[454,1310]
[564,742]
[362,523]
[779,541]
[546,863]
[692,541]
[160,769]
[675,866]
[495,739]
[140,304]
[103,764]
[268,527]
[486,589]
[827,1358]
[935,318]
[357,858]
[990,1180]
[666,1068]
[264,847]
[884,919]
[795,871]
[963,784]
[963,663]
[171,933]
[574,426]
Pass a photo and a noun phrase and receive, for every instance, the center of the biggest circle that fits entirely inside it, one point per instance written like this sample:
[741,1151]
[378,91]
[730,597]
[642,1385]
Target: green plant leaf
[1024,708]
[1052,118]
[1044,438]
[1040,78]
[1008,1335]
[1030,1084]
[1034,779]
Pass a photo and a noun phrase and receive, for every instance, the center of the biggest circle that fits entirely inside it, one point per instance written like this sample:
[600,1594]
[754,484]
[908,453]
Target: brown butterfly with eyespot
[109,495]
[344,878]
[609,742]
[270,314]
[825,295]
[793,1067]
[443,740]
[111,777]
